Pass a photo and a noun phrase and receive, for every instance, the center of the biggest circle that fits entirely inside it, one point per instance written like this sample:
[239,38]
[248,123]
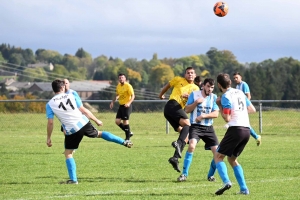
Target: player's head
[224,81]
[197,80]
[237,77]
[190,74]
[58,86]
[67,84]
[122,78]
[208,86]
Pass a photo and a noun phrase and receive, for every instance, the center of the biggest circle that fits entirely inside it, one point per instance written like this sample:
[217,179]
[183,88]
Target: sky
[253,31]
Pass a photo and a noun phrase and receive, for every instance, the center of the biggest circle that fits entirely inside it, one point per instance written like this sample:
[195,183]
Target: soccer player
[243,86]
[125,95]
[75,121]
[174,112]
[203,108]
[234,108]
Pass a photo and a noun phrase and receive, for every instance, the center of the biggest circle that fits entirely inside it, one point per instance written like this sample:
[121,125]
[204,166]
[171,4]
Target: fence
[272,116]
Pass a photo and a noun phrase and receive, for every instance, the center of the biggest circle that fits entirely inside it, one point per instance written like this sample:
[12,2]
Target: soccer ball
[220,9]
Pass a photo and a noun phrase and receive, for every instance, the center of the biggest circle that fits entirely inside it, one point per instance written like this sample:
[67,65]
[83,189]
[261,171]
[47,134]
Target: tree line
[268,80]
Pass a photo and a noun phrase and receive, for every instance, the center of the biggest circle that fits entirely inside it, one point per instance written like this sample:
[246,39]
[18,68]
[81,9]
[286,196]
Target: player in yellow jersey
[174,110]
[125,95]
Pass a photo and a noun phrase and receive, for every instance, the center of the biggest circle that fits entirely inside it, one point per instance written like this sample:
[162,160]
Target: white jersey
[207,106]
[234,101]
[65,108]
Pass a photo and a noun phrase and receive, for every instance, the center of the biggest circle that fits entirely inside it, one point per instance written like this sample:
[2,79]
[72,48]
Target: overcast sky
[254,30]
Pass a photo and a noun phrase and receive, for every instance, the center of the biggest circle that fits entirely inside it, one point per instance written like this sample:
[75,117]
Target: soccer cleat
[211,179]
[225,187]
[245,192]
[174,162]
[177,148]
[69,182]
[128,143]
[181,178]
[130,134]
[258,140]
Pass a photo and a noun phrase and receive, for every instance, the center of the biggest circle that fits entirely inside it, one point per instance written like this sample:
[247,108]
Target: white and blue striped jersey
[65,108]
[236,102]
[207,106]
[243,86]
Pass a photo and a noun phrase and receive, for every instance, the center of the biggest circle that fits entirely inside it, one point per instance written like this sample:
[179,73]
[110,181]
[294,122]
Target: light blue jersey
[243,86]
[65,108]
[207,106]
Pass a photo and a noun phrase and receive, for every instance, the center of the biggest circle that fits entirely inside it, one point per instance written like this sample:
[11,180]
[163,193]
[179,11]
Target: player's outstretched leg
[116,139]
[255,136]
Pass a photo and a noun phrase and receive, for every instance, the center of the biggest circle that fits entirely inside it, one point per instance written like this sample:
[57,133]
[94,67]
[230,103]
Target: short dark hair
[209,80]
[224,80]
[236,73]
[188,68]
[197,79]
[122,74]
[57,85]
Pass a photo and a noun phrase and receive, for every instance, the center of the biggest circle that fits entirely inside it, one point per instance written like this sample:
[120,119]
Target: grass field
[31,170]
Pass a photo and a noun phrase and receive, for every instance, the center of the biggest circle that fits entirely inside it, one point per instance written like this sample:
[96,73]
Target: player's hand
[199,100]
[49,143]
[127,105]
[199,118]
[111,105]
[185,95]
[99,123]
[162,97]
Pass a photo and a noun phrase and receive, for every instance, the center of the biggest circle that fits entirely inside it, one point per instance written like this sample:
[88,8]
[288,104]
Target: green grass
[31,170]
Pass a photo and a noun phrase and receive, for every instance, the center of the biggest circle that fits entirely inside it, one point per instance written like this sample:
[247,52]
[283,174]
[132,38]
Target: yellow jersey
[124,92]
[181,86]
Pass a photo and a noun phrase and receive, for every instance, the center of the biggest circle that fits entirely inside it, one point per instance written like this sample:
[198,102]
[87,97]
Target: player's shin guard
[71,166]
[222,169]
[111,137]
[239,175]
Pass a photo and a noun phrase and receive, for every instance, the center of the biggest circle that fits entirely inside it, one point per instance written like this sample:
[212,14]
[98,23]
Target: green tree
[160,75]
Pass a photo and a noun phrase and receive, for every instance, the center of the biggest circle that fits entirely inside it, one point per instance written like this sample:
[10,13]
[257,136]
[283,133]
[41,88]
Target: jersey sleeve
[246,88]
[190,99]
[75,93]
[175,80]
[130,90]
[226,105]
[78,101]
[49,112]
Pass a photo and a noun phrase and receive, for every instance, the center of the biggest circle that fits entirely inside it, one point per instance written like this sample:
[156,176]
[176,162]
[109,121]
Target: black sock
[127,131]
[122,126]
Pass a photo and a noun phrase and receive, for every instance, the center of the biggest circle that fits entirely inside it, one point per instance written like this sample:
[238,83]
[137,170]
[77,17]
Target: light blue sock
[112,138]
[222,169]
[71,166]
[253,133]
[187,163]
[212,169]
[239,175]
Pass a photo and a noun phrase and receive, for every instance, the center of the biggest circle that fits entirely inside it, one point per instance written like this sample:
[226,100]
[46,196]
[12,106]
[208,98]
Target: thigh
[119,113]
[210,138]
[72,141]
[89,130]
[126,112]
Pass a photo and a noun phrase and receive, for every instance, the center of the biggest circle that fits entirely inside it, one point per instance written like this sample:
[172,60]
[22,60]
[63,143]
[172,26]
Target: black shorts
[234,141]
[124,112]
[72,141]
[206,133]
[173,112]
